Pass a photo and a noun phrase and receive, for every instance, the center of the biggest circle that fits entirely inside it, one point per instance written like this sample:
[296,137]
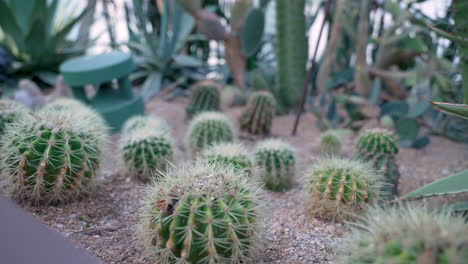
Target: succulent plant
[409,235]
[207,129]
[205,97]
[330,143]
[379,146]
[141,121]
[52,156]
[258,116]
[202,213]
[276,161]
[9,112]
[339,187]
[229,154]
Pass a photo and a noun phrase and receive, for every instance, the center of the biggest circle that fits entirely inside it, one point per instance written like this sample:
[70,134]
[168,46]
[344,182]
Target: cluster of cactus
[205,97]
[258,116]
[229,154]
[202,213]
[147,147]
[51,155]
[9,112]
[338,187]
[276,162]
[407,235]
[379,146]
[207,129]
[330,143]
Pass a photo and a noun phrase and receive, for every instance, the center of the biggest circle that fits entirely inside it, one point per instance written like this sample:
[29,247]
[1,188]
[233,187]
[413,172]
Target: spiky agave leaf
[140,121]
[201,213]
[229,154]
[407,234]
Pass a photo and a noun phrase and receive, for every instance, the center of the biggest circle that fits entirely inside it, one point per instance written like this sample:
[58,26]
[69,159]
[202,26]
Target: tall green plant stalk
[361,76]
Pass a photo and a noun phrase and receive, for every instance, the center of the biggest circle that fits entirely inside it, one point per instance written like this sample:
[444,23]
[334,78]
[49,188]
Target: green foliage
[455,183]
[338,187]
[251,36]
[33,34]
[330,143]
[202,213]
[207,129]
[229,154]
[379,147]
[276,162]
[9,112]
[409,235]
[204,97]
[52,156]
[458,110]
[257,118]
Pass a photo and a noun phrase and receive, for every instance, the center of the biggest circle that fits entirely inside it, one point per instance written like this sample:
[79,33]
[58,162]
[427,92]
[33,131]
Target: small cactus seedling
[379,146]
[146,152]
[141,121]
[202,213]
[338,187]
[205,97]
[276,161]
[9,112]
[330,143]
[229,154]
[258,116]
[207,129]
[52,156]
[409,235]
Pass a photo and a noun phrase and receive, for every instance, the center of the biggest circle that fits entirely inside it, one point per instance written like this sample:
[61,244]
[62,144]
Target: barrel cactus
[52,156]
[229,154]
[409,235]
[276,162]
[205,97]
[338,187]
[379,146]
[9,112]
[258,116]
[202,213]
[330,143]
[207,129]
[141,121]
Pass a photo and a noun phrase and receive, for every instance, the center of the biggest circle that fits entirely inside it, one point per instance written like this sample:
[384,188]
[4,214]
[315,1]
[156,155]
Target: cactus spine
[205,97]
[338,186]
[407,235]
[276,161]
[207,129]
[201,213]
[9,112]
[229,154]
[330,143]
[258,116]
[292,49]
[379,146]
[52,156]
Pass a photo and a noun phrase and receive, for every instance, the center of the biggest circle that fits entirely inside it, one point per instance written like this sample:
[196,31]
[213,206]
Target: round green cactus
[330,143]
[147,153]
[9,112]
[141,121]
[276,161]
[52,156]
[379,146]
[338,187]
[409,235]
[207,129]
[229,154]
[205,97]
[202,213]
[258,116]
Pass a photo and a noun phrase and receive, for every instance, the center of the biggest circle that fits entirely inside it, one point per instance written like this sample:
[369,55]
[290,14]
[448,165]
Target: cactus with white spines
[146,121]
[52,156]
[339,187]
[202,213]
[407,234]
[276,162]
[9,112]
[330,143]
[205,97]
[229,154]
[208,128]
[257,118]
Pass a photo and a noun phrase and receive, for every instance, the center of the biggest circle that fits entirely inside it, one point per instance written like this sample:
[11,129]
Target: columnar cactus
[145,121]
[409,235]
[202,213]
[205,97]
[258,116]
[379,146]
[338,187]
[52,156]
[207,129]
[330,143]
[9,112]
[276,161]
[229,154]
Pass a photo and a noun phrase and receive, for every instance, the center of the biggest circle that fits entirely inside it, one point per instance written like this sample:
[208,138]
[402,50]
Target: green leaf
[456,183]
[419,109]
[407,128]
[152,86]
[459,110]
[9,25]
[252,32]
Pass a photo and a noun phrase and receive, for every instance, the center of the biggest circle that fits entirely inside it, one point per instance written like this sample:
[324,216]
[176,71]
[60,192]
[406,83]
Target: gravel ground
[104,223]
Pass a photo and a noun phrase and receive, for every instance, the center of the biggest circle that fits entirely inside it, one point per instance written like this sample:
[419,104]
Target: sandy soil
[104,223]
